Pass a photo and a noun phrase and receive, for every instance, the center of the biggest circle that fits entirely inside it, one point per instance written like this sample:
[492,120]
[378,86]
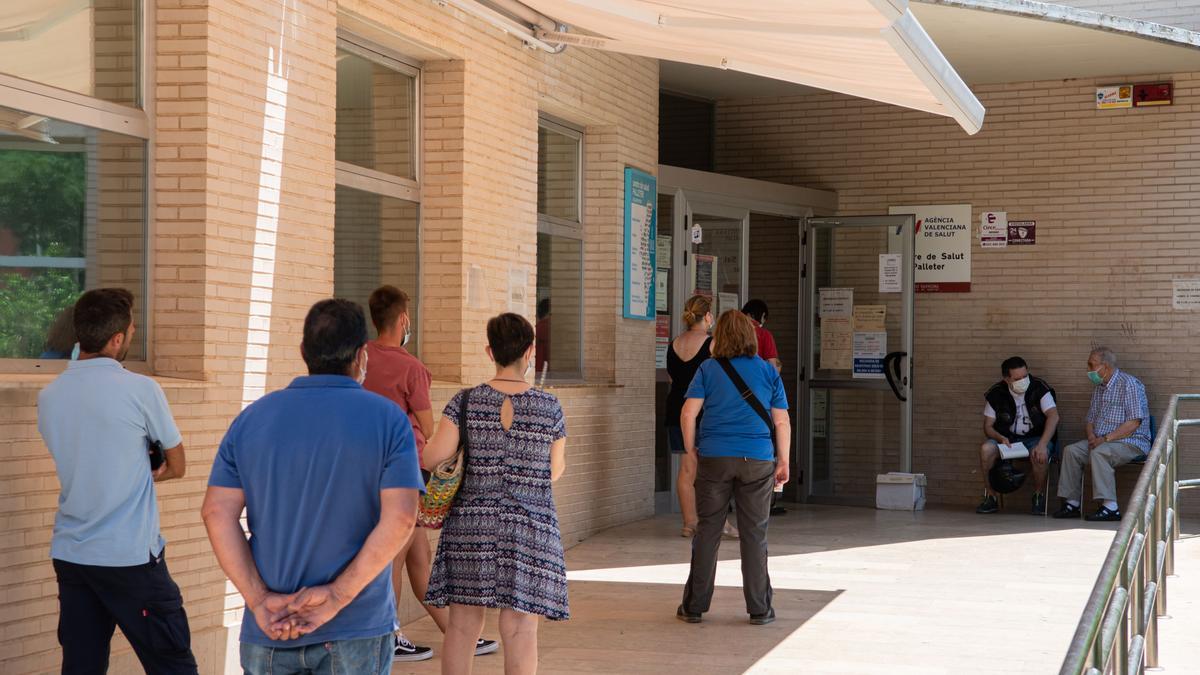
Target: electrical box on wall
[1160,93]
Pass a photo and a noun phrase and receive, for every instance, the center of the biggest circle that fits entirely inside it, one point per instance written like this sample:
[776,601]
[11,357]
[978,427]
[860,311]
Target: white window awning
[873,49]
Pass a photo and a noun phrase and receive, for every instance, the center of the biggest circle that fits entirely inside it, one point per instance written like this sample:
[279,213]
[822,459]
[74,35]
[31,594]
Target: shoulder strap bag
[748,395]
[446,478]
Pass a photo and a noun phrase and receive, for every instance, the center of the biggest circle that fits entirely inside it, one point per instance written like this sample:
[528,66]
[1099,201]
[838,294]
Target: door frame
[754,196]
[808,292]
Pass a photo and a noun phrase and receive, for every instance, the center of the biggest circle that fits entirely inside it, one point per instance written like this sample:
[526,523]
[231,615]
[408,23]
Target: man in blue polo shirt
[99,420]
[328,476]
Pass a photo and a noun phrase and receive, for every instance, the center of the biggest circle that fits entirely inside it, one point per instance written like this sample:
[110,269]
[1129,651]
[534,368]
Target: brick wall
[1181,13]
[243,242]
[1113,198]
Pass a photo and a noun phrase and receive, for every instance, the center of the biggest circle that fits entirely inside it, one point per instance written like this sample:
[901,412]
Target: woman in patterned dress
[500,545]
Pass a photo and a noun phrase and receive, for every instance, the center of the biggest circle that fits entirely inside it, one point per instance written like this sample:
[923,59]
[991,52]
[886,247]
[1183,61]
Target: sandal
[688,530]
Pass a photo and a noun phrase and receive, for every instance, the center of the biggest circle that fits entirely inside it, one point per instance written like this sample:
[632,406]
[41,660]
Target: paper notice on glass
[836,302]
[836,343]
[870,348]
[870,317]
[660,353]
[727,301]
[889,272]
[660,290]
[1014,451]
[663,252]
[820,403]
[704,275]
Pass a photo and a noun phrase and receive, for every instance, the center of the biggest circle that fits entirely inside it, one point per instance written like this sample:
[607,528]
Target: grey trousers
[749,484]
[1105,459]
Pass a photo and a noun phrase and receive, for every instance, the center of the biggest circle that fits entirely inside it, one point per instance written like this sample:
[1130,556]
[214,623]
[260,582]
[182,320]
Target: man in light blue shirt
[328,476]
[99,421]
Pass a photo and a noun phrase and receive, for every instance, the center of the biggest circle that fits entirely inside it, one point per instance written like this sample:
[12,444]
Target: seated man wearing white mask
[1020,409]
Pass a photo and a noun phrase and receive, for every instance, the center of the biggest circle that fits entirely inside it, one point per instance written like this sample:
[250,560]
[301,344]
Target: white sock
[1110,504]
[1073,502]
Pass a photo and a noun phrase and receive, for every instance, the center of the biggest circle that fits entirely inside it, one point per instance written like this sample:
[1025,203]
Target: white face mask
[407,337]
[1020,386]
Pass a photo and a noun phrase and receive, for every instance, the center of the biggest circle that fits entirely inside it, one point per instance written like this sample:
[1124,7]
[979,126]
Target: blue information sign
[641,238]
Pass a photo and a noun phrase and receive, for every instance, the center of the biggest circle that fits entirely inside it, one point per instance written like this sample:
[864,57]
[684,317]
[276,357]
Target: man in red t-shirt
[394,373]
[757,310]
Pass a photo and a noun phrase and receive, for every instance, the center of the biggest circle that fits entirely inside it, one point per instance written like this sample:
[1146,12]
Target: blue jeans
[366,656]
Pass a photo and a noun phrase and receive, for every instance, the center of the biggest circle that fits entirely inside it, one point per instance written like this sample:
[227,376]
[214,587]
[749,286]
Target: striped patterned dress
[500,545]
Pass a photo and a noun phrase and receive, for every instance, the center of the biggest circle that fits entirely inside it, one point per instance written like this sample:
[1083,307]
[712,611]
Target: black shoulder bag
[748,396]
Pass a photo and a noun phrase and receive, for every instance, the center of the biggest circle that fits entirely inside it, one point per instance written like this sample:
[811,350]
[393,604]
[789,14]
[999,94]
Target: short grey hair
[1107,356]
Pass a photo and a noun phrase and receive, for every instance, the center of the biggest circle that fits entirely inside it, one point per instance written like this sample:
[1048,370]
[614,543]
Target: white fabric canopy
[872,49]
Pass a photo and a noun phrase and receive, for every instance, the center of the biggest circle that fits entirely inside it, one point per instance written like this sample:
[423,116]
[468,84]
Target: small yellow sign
[1116,96]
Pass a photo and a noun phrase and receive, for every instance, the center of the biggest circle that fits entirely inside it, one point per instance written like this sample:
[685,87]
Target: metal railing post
[1118,631]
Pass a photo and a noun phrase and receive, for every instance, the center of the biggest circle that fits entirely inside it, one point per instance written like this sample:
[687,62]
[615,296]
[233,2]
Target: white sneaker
[407,651]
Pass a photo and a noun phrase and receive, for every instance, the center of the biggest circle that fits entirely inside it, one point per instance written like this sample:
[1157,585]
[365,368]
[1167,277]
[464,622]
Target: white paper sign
[518,281]
[663,252]
[660,354]
[993,229]
[661,290]
[943,249]
[640,275]
[836,302]
[727,301]
[697,234]
[1186,295]
[889,272]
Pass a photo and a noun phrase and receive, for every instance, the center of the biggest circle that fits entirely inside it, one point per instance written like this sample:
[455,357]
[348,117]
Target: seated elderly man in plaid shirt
[1118,432]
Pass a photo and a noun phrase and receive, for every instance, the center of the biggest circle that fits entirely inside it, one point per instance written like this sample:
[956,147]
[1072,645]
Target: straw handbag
[446,478]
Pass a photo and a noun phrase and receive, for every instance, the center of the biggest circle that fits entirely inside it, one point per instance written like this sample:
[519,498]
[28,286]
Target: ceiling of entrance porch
[988,47]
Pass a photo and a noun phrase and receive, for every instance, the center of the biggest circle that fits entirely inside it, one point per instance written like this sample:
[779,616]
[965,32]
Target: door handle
[894,375]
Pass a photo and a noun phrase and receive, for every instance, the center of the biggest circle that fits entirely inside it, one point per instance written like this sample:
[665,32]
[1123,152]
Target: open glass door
[717,265]
[857,323]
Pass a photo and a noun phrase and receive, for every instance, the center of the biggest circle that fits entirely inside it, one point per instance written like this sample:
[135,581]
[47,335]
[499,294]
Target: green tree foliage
[42,208]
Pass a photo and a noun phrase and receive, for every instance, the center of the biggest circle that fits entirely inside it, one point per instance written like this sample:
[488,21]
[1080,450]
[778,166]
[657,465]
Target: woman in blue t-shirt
[742,453]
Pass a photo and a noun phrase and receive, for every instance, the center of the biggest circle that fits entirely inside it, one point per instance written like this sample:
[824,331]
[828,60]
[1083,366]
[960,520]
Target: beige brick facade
[1113,194]
[243,243]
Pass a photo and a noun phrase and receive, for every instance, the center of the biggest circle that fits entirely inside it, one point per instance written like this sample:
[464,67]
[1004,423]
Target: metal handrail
[1118,632]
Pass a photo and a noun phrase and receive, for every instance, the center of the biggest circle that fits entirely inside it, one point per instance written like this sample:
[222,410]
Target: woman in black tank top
[697,314]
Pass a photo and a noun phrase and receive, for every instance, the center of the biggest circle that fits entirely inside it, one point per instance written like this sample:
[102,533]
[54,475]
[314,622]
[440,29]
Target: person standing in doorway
[401,377]
[328,477]
[101,424]
[687,351]
[767,351]
[501,546]
[742,453]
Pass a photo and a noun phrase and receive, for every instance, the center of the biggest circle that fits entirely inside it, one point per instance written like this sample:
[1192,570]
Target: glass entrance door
[857,323]
[715,267]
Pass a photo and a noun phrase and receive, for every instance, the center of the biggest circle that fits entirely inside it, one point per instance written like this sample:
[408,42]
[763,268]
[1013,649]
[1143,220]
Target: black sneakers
[686,616]
[763,619]
[988,505]
[1039,504]
[485,646]
[1104,515]
[1067,510]
[407,651]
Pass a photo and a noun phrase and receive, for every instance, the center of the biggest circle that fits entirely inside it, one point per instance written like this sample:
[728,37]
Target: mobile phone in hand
[157,456]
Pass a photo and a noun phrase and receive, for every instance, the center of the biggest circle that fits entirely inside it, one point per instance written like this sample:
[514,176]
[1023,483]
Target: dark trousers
[749,484]
[143,600]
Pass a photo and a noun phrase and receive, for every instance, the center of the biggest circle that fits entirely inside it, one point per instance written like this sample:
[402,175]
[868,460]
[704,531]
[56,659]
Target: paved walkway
[856,591]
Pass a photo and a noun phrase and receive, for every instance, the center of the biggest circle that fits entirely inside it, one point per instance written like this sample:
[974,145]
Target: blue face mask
[1094,376]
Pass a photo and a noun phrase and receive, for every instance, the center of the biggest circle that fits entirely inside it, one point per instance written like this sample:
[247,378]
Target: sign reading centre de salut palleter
[942,255]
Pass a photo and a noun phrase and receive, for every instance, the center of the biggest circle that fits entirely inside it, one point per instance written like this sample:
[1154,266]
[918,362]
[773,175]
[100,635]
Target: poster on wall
[1185,295]
[1022,232]
[641,238]
[869,350]
[704,275]
[662,252]
[943,248]
[726,302]
[993,229]
[661,289]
